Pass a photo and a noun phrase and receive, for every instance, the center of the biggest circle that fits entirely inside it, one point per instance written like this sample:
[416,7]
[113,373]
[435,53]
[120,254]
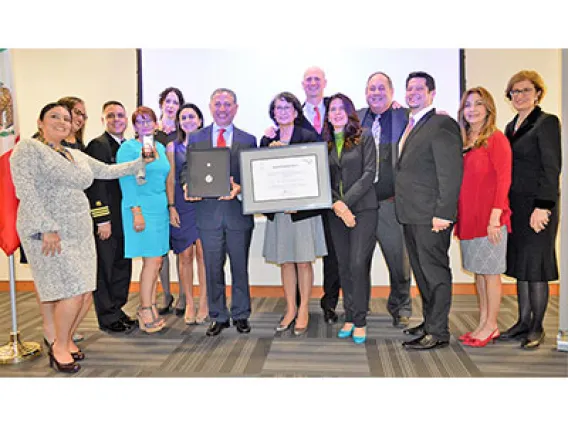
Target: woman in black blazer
[531,253]
[293,240]
[352,167]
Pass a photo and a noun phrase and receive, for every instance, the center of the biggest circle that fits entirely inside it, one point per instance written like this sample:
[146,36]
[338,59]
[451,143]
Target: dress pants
[217,244]
[391,240]
[113,279]
[428,253]
[354,248]
[331,283]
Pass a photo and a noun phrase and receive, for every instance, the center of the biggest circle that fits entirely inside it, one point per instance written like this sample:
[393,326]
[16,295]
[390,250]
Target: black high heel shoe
[533,340]
[78,356]
[516,332]
[70,368]
[281,327]
[168,308]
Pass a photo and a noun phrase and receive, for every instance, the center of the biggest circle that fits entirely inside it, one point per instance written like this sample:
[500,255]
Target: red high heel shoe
[464,337]
[477,343]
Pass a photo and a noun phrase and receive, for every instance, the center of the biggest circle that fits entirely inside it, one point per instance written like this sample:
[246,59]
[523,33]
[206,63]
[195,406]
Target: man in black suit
[223,228]
[314,83]
[387,125]
[427,185]
[105,196]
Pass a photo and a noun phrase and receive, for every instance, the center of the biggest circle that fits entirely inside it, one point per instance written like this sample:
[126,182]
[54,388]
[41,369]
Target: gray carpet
[185,351]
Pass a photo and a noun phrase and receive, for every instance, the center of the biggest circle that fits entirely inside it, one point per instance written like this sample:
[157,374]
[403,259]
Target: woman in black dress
[169,100]
[534,201]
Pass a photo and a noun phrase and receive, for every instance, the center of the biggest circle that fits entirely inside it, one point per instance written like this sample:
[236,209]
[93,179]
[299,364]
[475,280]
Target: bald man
[314,84]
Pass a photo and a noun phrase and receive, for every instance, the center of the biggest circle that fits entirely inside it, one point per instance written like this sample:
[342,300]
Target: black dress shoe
[516,332]
[242,325]
[216,328]
[329,316]
[179,312]
[400,321]
[415,331]
[128,322]
[425,342]
[115,327]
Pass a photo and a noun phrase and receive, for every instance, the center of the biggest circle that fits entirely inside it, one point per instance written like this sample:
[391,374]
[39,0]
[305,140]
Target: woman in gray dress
[293,240]
[55,226]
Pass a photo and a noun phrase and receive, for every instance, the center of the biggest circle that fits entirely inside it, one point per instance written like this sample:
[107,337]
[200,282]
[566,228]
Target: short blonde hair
[532,76]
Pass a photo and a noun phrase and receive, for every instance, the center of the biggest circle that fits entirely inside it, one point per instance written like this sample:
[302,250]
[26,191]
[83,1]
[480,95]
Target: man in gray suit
[427,185]
[387,125]
[223,228]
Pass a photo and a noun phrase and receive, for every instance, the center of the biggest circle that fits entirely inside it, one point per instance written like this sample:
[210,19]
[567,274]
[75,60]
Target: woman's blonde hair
[488,126]
[532,76]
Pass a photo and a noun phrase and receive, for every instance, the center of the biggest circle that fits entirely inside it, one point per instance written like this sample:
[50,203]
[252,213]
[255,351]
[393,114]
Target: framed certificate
[208,172]
[288,178]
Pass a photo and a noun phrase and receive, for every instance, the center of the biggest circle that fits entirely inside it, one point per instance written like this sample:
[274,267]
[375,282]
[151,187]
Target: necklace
[60,149]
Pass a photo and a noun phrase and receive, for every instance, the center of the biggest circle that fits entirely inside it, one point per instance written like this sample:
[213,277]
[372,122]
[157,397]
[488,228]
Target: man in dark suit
[114,271]
[222,227]
[387,125]
[314,84]
[427,185]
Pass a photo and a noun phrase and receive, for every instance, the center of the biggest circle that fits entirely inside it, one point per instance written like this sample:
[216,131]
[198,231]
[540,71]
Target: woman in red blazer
[483,207]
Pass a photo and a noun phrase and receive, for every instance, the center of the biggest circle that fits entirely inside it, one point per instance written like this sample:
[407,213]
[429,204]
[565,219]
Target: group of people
[405,177]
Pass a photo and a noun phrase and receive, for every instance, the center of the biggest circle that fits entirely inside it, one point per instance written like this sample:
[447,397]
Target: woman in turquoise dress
[145,216]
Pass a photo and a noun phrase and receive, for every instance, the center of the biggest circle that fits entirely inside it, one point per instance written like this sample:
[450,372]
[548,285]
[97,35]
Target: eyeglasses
[80,113]
[524,91]
[146,122]
[280,108]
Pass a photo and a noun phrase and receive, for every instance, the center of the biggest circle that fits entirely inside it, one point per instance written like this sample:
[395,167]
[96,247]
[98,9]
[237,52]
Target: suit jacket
[213,213]
[537,157]
[305,123]
[354,173]
[388,148]
[105,196]
[299,135]
[429,171]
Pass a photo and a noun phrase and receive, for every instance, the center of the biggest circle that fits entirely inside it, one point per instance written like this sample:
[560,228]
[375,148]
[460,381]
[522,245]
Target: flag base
[16,352]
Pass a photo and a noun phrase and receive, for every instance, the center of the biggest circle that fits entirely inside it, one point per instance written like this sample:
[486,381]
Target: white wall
[97,75]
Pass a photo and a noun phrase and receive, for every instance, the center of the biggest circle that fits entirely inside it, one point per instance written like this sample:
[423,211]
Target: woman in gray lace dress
[55,226]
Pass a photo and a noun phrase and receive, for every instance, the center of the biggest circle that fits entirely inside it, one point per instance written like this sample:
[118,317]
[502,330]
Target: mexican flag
[9,136]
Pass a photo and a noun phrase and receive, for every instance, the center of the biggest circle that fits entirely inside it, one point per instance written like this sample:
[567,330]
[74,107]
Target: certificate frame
[316,193]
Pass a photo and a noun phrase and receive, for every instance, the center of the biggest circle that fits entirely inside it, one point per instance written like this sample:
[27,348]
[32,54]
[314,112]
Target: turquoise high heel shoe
[359,339]
[344,334]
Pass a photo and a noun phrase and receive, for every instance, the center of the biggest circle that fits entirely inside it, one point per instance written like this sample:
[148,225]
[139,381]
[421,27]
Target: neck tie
[221,143]
[317,119]
[409,127]
[376,131]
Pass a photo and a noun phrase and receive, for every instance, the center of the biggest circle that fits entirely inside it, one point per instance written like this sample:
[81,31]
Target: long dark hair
[180,132]
[162,97]
[352,131]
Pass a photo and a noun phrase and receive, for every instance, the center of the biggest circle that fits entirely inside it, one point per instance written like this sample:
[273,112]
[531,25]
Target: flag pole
[15,351]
